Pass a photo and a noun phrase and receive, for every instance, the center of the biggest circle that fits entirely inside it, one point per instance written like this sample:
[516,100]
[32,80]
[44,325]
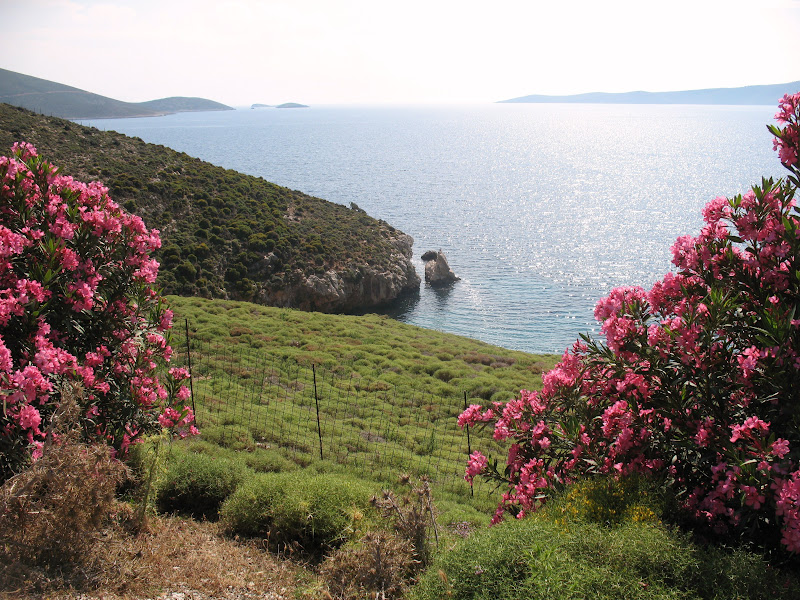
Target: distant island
[58,100]
[753,94]
[284,105]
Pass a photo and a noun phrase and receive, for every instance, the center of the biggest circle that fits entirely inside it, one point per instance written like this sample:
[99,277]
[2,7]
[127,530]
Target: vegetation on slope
[388,393]
[224,234]
[51,98]
[370,347]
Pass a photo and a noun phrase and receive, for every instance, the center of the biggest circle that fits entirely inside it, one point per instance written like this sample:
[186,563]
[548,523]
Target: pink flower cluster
[697,384]
[787,140]
[76,304]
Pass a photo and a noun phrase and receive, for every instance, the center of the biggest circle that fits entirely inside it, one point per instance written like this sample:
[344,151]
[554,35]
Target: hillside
[369,371]
[228,235]
[55,99]
[753,94]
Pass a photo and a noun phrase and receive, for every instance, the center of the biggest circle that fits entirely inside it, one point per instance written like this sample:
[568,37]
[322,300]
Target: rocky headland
[229,235]
[348,288]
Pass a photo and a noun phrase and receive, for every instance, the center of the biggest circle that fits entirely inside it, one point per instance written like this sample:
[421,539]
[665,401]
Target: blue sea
[540,208]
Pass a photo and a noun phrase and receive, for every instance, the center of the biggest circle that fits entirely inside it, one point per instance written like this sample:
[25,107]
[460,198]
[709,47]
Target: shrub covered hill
[225,234]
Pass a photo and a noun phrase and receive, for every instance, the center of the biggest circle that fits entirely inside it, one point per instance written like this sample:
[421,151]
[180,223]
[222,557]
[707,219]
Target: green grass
[385,405]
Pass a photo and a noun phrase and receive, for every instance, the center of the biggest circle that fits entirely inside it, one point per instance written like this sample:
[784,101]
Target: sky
[397,52]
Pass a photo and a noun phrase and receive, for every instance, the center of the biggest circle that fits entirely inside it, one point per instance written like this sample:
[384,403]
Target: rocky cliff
[348,288]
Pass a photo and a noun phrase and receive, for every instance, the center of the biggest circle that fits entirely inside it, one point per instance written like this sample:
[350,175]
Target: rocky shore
[350,287]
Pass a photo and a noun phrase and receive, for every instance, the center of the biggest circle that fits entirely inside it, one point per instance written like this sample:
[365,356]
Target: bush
[196,485]
[77,304]
[296,510]
[384,563]
[608,501]
[697,384]
[51,512]
[539,558]
[379,565]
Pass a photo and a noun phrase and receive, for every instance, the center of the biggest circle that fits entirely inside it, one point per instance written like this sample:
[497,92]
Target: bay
[541,208]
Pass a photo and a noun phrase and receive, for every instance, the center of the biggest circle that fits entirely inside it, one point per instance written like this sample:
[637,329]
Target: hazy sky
[390,51]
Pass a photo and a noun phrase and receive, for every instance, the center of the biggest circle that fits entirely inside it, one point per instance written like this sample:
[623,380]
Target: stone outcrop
[437,271]
[349,288]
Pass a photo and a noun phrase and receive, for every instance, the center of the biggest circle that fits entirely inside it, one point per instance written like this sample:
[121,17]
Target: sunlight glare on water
[540,209]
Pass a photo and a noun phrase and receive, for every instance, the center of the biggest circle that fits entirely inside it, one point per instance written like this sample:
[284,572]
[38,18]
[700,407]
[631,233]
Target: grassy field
[388,393]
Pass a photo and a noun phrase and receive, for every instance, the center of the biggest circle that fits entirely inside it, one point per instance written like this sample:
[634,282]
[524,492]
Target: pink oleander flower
[749,429]
[477,463]
[475,414]
[179,373]
[780,447]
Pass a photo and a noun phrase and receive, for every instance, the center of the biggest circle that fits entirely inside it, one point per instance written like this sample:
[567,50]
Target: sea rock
[437,271]
[344,289]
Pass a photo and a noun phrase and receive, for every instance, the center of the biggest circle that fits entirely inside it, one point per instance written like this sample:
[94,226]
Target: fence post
[189,364]
[316,401]
[469,446]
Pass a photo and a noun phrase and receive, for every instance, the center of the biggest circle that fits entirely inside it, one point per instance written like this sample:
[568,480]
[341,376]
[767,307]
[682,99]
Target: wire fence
[248,400]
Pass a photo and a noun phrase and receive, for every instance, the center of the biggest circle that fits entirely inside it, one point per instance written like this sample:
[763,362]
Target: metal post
[316,401]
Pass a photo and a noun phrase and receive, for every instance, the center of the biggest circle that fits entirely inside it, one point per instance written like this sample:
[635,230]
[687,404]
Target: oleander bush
[77,305]
[697,384]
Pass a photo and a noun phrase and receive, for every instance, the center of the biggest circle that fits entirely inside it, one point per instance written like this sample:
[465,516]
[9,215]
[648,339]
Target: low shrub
[379,565]
[608,501]
[196,485]
[540,558]
[51,512]
[297,511]
[384,563]
[266,461]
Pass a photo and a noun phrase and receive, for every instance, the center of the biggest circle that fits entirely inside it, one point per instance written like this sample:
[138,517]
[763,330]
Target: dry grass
[176,559]
[50,513]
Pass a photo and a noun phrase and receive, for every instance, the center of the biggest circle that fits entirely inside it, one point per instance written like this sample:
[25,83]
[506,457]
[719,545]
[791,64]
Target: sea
[540,209]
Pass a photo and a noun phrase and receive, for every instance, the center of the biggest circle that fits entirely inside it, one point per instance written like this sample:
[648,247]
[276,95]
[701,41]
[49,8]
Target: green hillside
[388,394]
[224,234]
[51,98]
